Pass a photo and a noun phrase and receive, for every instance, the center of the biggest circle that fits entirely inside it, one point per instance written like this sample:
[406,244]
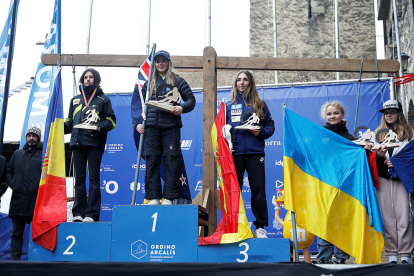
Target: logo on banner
[158,252]
[279,163]
[199,186]
[279,184]
[139,249]
[186,144]
[106,207]
[113,148]
[141,166]
[106,168]
[276,225]
[273,143]
[111,187]
[246,184]
[131,186]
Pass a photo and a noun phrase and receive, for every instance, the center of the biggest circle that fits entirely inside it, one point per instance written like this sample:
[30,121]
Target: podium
[76,242]
[162,234]
[155,233]
[250,250]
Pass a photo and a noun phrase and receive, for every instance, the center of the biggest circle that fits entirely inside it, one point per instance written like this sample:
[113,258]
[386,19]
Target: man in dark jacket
[24,172]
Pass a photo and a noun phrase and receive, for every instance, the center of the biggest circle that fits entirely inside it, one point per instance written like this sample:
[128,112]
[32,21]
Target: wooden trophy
[251,123]
[364,136]
[168,101]
[89,118]
[386,137]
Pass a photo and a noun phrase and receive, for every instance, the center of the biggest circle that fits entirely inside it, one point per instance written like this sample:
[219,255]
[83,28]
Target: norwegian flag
[143,76]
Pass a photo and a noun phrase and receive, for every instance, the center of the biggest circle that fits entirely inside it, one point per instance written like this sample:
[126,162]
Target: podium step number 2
[76,242]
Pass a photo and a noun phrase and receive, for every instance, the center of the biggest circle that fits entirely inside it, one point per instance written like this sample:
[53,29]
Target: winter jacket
[106,121]
[383,170]
[158,118]
[340,129]
[3,175]
[245,142]
[24,172]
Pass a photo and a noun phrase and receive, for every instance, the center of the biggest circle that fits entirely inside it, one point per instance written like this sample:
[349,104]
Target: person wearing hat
[24,177]
[392,197]
[88,145]
[163,132]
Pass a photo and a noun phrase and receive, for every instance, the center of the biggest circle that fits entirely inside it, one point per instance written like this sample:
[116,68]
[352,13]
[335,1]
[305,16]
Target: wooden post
[209,115]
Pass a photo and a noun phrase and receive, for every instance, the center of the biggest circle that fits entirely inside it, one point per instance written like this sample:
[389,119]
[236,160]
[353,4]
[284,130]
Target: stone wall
[305,29]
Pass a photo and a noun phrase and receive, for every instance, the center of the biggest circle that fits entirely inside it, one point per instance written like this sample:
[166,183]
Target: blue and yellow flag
[329,186]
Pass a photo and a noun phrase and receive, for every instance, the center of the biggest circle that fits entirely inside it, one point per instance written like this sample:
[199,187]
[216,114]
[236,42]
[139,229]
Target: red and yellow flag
[50,209]
[233,226]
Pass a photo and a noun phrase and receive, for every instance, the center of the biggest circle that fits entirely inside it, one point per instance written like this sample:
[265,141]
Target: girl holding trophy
[163,130]
[392,196]
[249,143]
[90,119]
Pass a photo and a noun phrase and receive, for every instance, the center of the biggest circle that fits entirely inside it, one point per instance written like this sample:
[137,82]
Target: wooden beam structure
[210,63]
[233,63]
[209,115]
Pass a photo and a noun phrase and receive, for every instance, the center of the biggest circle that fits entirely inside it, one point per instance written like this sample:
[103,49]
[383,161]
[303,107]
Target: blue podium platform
[76,242]
[161,234]
[250,250]
[154,233]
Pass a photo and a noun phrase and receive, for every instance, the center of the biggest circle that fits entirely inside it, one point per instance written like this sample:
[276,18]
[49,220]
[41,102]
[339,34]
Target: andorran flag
[233,226]
[328,185]
[50,209]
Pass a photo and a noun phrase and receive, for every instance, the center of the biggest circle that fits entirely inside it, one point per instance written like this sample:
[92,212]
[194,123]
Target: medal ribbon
[90,99]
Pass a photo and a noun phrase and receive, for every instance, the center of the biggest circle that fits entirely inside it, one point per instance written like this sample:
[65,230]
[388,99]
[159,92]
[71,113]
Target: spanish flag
[50,209]
[329,186]
[233,226]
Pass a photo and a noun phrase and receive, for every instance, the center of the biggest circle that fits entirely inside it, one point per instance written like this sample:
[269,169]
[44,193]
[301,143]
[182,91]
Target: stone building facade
[305,29]
[405,19]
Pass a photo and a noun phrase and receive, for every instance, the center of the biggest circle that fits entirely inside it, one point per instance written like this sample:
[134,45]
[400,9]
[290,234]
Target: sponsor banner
[297,99]
[43,83]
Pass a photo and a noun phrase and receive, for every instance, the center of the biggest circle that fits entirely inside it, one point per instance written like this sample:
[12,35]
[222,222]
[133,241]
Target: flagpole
[88,36]
[7,84]
[59,27]
[149,28]
[141,137]
[294,233]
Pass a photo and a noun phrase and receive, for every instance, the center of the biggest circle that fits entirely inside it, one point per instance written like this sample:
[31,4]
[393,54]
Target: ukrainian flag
[50,208]
[328,185]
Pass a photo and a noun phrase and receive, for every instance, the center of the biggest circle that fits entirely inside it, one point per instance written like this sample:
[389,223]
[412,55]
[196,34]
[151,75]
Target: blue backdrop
[119,160]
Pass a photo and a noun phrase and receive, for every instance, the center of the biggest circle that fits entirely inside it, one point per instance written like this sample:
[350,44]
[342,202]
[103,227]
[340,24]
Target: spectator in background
[24,172]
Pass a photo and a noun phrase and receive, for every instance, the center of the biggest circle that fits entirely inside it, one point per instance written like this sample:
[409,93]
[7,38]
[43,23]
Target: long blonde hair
[250,96]
[170,76]
[403,129]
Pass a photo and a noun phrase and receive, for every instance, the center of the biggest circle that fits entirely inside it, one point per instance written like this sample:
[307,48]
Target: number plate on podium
[76,242]
[250,250]
[154,233]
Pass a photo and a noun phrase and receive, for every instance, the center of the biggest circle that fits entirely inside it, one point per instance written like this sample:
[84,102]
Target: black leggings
[255,167]
[84,207]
